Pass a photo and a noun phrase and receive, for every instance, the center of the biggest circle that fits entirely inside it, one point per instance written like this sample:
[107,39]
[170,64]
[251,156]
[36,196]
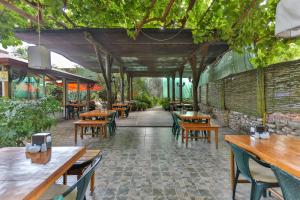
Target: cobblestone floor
[148,163]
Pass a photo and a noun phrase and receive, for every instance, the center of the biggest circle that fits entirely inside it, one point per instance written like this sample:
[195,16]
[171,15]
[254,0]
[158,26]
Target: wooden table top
[97,113]
[279,150]
[91,122]
[191,115]
[28,175]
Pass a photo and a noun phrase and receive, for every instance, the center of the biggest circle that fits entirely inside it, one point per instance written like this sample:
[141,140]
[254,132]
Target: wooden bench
[187,127]
[80,166]
[102,124]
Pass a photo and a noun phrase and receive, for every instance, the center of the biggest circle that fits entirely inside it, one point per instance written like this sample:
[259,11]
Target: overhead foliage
[242,24]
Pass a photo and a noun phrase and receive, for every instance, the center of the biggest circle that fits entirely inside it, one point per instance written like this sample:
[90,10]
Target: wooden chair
[81,165]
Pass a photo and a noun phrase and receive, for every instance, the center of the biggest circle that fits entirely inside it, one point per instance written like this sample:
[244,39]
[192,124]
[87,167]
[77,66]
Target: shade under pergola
[154,53]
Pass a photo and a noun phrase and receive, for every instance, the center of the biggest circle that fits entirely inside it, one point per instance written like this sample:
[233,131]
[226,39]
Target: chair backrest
[242,161]
[175,118]
[289,184]
[113,117]
[82,184]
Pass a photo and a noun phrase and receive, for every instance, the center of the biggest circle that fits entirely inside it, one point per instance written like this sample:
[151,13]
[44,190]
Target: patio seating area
[149,163]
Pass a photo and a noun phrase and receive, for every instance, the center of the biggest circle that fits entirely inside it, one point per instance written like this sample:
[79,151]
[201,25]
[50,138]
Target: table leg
[217,138]
[232,168]
[208,136]
[182,135]
[81,132]
[92,187]
[65,178]
[105,131]
[75,134]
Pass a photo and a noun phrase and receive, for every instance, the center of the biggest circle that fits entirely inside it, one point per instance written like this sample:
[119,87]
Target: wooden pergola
[154,53]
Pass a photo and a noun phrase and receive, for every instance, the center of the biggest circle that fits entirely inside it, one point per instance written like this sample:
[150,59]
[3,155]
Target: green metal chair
[176,127]
[76,191]
[290,185]
[174,123]
[255,171]
[112,124]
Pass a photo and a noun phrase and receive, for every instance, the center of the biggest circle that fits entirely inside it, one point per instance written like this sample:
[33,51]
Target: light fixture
[179,85]
[287,19]
[58,81]
[39,56]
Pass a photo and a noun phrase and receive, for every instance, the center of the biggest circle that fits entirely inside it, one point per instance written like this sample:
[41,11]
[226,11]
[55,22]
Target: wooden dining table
[192,115]
[97,113]
[26,176]
[279,150]
[119,105]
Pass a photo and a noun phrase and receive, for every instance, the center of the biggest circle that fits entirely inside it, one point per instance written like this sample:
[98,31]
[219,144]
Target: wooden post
[78,91]
[180,87]
[65,96]
[128,87]
[131,88]
[88,96]
[222,99]
[260,93]
[173,87]
[28,87]
[6,85]
[195,81]
[206,92]
[108,66]
[122,84]
[168,87]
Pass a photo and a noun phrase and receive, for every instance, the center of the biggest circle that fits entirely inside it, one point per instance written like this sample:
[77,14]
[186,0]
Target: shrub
[165,103]
[145,99]
[20,119]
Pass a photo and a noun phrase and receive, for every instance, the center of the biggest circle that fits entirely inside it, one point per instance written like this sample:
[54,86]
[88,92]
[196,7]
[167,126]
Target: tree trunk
[128,87]
[195,96]
[168,86]
[173,87]
[122,86]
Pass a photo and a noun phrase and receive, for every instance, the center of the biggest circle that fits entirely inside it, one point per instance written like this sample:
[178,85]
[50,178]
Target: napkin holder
[41,138]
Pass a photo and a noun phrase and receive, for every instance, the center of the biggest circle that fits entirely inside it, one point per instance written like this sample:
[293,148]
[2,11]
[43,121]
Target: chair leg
[236,178]
[92,185]
[257,191]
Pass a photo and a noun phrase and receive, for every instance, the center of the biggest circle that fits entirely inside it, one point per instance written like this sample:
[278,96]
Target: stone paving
[149,163]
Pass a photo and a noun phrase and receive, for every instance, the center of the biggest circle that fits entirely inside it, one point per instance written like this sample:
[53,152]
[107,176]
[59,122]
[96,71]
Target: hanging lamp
[39,56]
[288,19]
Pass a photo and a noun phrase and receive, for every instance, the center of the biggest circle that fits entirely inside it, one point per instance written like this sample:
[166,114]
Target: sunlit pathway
[149,163]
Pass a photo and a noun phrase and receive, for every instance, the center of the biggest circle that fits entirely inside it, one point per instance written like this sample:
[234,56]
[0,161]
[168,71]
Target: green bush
[20,119]
[165,103]
[145,99]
